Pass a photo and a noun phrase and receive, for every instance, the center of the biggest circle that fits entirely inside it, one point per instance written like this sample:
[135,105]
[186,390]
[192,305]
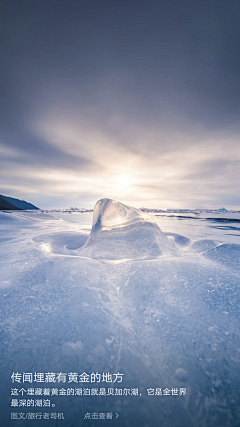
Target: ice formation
[123,232]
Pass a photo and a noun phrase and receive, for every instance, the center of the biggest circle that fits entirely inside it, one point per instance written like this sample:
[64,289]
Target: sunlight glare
[123,184]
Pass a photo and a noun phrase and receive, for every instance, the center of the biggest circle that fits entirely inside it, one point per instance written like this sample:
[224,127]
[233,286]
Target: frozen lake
[136,324]
[223,226]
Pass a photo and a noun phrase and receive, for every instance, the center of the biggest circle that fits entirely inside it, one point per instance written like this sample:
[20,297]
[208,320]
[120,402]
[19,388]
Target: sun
[123,183]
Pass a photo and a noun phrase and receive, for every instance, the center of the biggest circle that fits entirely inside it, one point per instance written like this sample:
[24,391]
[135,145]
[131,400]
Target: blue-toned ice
[120,232]
[155,304]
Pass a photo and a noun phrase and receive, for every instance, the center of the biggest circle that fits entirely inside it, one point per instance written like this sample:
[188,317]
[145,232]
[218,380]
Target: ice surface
[62,243]
[164,309]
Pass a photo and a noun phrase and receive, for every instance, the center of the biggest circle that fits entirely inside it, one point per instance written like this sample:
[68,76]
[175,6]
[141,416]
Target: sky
[134,100]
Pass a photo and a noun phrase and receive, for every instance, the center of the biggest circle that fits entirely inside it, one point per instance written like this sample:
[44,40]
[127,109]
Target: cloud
[34,151]
[95,91]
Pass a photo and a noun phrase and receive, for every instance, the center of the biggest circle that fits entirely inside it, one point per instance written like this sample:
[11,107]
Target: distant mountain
[9,203]
[184,210]
[69,210]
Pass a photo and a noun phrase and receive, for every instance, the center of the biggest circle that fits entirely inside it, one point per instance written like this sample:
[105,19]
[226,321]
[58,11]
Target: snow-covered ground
[159,305]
